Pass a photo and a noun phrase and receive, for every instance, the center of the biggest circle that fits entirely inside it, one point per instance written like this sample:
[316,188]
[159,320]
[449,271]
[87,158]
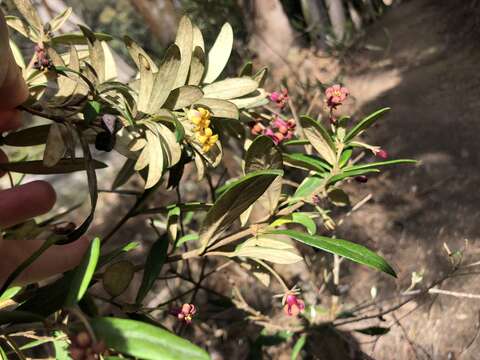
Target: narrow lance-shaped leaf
[379,163]
[153,266]
[219,54]
[57,22]
[55,147]
[136,52]
[363,124]
[83,274]
[347,249]
[164,79]
[36,167]
[31,136]
[145,341]
[197,66]
[184,41]
[233,202]
[26,8]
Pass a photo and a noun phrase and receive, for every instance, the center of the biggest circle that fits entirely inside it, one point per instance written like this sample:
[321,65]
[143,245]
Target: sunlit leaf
[219,108]
[184,41]
[57,22]
[219,54]
[347,249]
[83,274]
[364,123]
[230,88]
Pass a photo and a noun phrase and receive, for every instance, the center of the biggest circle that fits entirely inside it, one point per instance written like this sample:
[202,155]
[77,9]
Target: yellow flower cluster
[201,119]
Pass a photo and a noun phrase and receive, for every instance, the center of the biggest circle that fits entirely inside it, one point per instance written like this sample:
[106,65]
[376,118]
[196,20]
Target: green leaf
[137,53]
[298,218]
[18,317]
[145,341]
[307,162]
[347,174]
[346,155]
[50,298]
[256,99]
[363,124]
[117,277]
[374,330]
[197,66]
[153,266]
[83,274]
[187,238]
[219,54]
[261,76]
[246,70]
[105,259]
[347,249]
[91,111]
[299,344]
[219,108]
[57,22]
[308,186]
[31,136]
[184,41]
[379,163]
[182,97]
[234,201]
[36,167]
[230,88]
[10,293]
[276,256]
[165,78]
[319,138]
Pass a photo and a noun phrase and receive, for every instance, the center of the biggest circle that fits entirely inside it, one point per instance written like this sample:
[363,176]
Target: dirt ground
[427,71]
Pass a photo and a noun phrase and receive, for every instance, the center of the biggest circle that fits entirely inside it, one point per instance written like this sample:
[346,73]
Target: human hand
[29,200]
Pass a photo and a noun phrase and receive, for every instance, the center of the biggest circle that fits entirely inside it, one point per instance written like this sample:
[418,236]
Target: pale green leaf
[319,138]
[230,88]
[219,54]
[184,41]
[182,97]
[219,108]
[57,22]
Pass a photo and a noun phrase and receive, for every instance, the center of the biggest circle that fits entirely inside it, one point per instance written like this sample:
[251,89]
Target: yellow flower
[201,118]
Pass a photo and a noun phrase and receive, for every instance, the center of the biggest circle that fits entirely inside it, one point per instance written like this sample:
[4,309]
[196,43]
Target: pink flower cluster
[336,95]
[43,61]
[280,98]
[278,130]
[185,313]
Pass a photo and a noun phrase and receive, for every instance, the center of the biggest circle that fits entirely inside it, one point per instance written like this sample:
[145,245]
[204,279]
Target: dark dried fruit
[105,141]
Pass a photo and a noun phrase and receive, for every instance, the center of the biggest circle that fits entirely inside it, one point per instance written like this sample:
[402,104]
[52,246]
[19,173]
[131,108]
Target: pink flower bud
[382,154]
[336,95]
[293,305]
[185,313]
[275,96]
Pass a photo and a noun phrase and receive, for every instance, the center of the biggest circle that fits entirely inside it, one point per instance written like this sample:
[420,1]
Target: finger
[25,201]
[10,120]
[55,260]
[13,91]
